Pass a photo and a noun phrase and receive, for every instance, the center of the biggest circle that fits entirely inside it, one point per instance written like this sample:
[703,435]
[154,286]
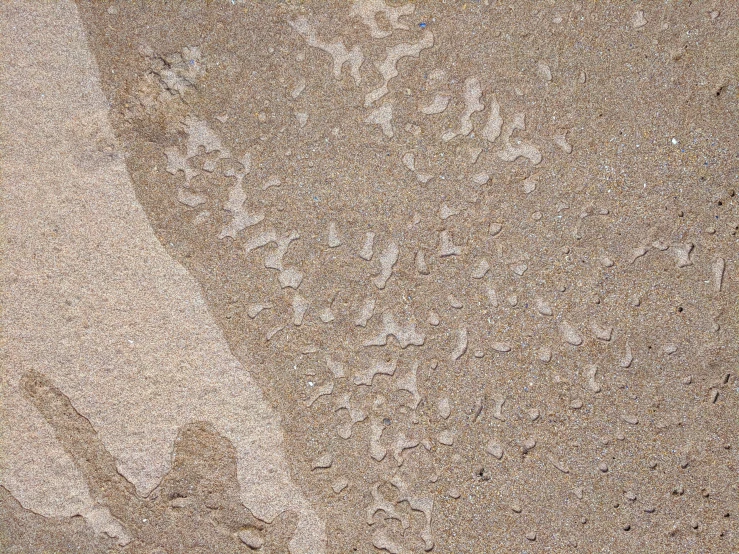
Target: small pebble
[576,404]
[603,467]
[531,535]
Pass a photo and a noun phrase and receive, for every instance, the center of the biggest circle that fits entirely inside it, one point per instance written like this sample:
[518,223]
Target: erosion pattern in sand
[94,307]
[482,258]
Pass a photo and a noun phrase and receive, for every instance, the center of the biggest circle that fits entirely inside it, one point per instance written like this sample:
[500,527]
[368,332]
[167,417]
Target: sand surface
[369,276]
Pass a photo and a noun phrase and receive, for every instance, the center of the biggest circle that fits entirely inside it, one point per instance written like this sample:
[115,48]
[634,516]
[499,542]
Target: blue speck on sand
[422,25]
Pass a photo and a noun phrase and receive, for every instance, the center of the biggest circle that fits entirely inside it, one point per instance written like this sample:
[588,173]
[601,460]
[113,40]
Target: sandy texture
[481,258]
[94,304]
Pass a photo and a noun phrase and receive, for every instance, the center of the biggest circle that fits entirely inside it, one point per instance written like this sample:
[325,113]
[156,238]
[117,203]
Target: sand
[369,277]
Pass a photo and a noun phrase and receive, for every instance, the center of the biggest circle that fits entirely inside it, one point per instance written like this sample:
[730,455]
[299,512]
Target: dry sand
[369,277]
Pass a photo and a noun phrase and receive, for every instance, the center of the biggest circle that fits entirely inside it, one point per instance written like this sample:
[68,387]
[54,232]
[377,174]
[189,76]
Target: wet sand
[371,277]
